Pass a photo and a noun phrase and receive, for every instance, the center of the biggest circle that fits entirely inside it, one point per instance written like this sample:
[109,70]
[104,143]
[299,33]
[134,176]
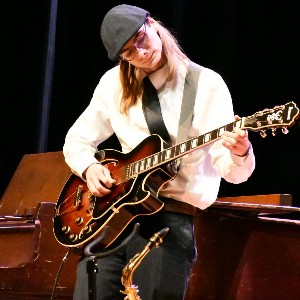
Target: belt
[176,206]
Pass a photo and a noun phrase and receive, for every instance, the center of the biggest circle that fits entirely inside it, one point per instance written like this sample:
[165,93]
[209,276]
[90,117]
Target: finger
[107,178]
[228,145]
[98,184]
[240,133]
[98,173]
[230,137]
[97,189]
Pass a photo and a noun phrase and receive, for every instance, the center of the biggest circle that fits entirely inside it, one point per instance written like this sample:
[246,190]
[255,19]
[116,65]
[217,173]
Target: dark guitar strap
[152,111]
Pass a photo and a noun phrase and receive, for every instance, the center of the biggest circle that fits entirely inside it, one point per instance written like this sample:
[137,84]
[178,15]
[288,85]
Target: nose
[141,53]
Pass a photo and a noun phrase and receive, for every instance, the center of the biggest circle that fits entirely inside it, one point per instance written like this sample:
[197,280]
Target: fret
[168,154]
[160,157]
[155,159]
[229,127]
[132,169]
[177,150]
[207,137]
[142,165]
[201,140]
[163,156]
[187,146]
[144,162]
[214,135]
[182,148]
[148,162]
[137,168]
[194,143]
[221,131]
[238,123]
[152,160]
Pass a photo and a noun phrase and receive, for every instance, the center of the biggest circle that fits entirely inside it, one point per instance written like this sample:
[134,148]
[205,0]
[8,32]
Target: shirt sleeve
[215,100]
[91,128]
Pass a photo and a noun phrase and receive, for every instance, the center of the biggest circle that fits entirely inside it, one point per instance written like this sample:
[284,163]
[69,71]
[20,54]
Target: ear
[153,23]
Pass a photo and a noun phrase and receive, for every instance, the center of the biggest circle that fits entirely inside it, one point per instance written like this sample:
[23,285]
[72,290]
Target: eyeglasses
[140,42]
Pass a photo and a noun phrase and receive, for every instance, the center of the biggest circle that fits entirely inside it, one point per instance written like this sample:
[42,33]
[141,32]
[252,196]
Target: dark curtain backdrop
[254,45]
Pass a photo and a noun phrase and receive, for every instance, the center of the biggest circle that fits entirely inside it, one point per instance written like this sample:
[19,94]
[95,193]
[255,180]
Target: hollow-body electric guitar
[81,217]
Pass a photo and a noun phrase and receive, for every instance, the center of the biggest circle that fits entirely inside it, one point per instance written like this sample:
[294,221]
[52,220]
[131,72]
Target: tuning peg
[273,131]
[263,133]
[284,130]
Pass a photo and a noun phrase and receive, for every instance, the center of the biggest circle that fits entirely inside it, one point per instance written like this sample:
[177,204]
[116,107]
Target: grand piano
[248,246]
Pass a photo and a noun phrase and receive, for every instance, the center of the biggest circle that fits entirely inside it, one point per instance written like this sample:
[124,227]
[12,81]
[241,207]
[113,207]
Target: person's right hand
[99,180]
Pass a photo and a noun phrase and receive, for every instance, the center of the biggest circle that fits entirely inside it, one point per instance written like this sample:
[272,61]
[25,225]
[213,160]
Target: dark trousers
[164,272]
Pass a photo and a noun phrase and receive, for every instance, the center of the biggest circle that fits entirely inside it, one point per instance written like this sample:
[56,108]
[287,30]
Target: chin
[155,61]
[150,60]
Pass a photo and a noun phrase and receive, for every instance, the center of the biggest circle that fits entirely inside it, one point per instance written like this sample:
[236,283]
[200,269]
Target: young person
[144,47]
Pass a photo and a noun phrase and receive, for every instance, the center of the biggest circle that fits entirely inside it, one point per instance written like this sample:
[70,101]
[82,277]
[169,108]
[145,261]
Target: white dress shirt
[200,173]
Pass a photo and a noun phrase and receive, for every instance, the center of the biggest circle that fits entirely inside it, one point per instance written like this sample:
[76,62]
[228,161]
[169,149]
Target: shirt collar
[159,77]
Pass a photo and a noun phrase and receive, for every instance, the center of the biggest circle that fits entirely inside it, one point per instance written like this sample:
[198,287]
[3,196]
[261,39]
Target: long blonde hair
[131,86]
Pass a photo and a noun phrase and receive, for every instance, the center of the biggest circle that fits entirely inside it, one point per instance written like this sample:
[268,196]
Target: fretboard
[174,152]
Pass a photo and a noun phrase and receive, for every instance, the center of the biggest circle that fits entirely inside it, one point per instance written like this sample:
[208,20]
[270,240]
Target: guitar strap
[188,101]
[151,106]
[152,112]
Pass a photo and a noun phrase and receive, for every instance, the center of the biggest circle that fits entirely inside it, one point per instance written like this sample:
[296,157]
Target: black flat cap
[119,25]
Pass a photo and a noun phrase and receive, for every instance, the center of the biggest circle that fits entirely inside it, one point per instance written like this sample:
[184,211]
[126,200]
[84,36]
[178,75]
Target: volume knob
[65,229]
[79,220]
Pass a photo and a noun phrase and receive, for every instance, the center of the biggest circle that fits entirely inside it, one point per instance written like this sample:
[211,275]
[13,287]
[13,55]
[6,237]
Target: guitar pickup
[78,195]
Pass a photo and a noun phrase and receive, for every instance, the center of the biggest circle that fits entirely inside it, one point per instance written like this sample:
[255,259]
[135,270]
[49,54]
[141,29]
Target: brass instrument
[131,290]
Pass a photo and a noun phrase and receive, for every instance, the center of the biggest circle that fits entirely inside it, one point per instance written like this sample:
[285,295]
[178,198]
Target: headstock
[281,116]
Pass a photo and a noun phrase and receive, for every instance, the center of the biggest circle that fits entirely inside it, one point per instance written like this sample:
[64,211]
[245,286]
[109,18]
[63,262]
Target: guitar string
[121,173]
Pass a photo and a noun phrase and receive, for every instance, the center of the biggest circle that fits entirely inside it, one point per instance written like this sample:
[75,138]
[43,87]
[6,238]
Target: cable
[59,271]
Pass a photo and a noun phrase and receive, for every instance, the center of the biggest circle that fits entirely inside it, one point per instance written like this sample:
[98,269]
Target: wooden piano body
[248,247]
[248,251]
[30,255]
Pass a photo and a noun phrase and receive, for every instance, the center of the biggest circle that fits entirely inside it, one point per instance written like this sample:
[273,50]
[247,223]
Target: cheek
[157,50]
[156,43]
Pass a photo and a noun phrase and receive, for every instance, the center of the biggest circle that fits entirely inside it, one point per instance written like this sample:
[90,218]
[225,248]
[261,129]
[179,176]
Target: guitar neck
[174,152]
[281,116]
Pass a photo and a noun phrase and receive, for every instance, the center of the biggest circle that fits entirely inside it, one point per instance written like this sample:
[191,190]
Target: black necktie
[152,112]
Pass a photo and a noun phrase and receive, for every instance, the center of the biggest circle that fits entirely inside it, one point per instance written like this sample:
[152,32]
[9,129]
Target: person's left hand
[237,141]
